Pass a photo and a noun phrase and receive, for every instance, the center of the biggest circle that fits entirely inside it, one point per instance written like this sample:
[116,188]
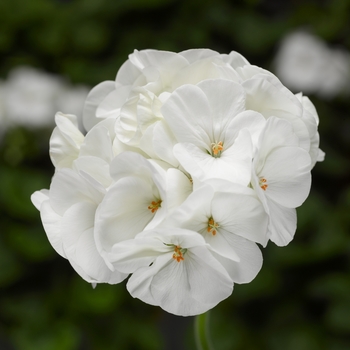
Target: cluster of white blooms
[305,63]
[30,97]
[190,159]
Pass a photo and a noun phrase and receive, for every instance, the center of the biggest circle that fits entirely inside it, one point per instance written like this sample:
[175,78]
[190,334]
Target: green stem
[201,329]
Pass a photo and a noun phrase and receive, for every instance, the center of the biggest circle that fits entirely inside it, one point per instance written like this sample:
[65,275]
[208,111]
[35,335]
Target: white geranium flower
[67,212]
[281,177]
[230,220]
[142,195]
[213,130]
[173,268]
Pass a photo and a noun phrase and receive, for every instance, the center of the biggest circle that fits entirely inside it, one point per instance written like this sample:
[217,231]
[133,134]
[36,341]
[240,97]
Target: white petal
[95,97]
[283,223]
[98,143]
[163,143]
[97,168]
[193,213]
[139,284]
[236,59]
[128,74]
[187,112]
[165,60]
[240,214]
[250,120]
[146,142]
[79,244]
[52,225]
[249,264]
[133,164]
[129,163]
[276,133]
[220,245]
[65,141]
[287,172]
[38,197]
[129,255]
[194,55]
[226,99]
[68,188]
[124,211]
[68,125]
[196,72]
[264,97]
[111,104]
[178,188]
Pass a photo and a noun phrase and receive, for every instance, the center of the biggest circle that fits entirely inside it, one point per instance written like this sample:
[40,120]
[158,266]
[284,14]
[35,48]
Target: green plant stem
[201,329]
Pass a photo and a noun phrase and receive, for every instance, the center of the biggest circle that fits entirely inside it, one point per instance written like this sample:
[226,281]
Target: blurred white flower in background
[305,63]
[2,108]
[31,98]
[71,100]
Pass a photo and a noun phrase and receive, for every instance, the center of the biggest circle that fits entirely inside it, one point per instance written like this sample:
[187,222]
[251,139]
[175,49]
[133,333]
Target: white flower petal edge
[50,220]
[173,268]
[65,140]
[67,212]
[94,98]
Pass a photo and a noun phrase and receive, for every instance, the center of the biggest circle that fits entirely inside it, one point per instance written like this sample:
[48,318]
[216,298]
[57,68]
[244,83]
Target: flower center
[263,183]
[154,206]
[217,148]
[179,253]
[212,226]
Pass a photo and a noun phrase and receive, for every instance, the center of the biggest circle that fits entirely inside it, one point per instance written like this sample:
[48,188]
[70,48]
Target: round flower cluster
[190,159]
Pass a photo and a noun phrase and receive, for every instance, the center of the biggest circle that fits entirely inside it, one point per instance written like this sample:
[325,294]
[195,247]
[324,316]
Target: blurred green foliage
[301,298]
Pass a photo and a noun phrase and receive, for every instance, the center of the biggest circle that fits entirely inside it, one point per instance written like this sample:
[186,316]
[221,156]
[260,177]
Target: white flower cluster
[305,63]
[190,160]
[29,97]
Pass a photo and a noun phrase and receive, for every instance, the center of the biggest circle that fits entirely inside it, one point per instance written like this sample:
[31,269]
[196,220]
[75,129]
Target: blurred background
[51,53]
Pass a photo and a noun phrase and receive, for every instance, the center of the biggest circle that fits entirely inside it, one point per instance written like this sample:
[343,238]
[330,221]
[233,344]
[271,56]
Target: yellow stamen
[178,253]
[263,184]
[217,148]
[154,206]
[212,226]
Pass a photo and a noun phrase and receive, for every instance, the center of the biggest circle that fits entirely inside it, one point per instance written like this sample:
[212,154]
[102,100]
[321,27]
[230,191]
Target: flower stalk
[202,335]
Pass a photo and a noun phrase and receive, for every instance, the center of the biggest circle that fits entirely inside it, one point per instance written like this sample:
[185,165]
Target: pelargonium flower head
[190,161]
